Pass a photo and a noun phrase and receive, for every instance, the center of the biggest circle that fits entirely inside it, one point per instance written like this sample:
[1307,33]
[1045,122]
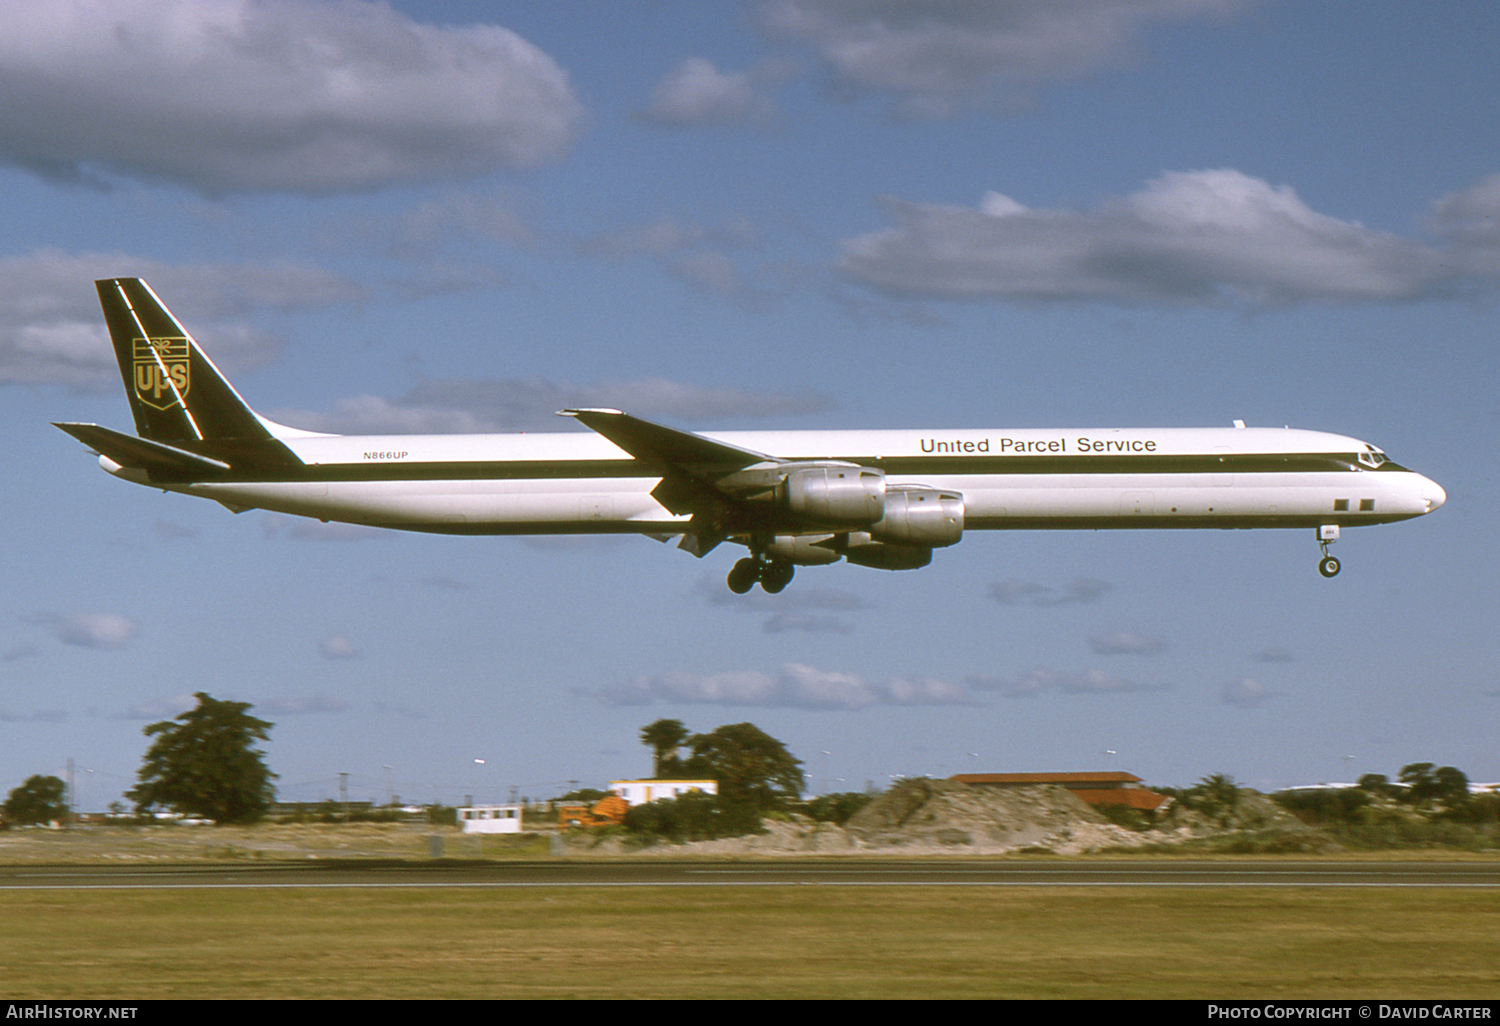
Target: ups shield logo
[162,371]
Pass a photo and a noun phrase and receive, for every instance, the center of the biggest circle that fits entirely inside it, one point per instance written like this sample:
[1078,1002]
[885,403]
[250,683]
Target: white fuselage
[580,482]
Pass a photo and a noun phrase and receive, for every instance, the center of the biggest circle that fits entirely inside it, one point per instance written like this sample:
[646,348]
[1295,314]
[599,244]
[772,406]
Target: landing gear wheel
[744,575]
[776,576]
[1328,566]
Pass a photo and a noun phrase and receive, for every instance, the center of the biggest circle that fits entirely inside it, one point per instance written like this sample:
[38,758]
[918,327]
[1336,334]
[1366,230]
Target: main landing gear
[773,575]
[1328,566]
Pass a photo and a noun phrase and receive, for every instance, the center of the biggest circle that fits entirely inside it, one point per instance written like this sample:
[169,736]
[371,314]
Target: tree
[39,800]
[754,771]
[205,764]
[1427,785]
[837,808]
[694,816]
[1378,784]
[753,768]
[664,738]
[1216,795]
[1319,806]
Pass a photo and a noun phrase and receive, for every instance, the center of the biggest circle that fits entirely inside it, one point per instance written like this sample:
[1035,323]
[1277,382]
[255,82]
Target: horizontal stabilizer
[142,453]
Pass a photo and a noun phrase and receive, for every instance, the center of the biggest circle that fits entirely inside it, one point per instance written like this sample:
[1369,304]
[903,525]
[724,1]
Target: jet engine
[920,516]
[913,520]
[803,549]
[863,550]
[837,495]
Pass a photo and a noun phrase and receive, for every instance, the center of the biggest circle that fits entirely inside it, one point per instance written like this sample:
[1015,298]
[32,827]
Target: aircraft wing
[659,444]
[693,469]
[142,453]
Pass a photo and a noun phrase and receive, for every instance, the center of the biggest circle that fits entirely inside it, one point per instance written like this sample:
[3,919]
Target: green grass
[767,942]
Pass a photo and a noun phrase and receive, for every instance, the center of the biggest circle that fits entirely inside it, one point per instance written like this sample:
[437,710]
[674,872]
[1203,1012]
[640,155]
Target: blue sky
[791,213]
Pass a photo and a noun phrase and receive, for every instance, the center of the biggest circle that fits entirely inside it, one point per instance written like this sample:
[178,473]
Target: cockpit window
[1372,457]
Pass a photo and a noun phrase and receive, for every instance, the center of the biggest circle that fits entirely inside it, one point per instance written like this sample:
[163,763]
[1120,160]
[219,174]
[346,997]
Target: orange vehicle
[604,812]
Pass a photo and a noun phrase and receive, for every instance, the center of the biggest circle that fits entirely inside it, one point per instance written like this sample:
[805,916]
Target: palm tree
[1220,796]
[664,738]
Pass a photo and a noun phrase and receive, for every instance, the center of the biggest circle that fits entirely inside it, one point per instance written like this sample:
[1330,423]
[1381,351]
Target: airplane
[884,499]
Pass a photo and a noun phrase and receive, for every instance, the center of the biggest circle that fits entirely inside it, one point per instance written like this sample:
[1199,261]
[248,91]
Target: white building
[490,819]
[644,792]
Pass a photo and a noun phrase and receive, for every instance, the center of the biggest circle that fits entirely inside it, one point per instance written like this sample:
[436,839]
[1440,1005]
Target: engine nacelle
[862,550]
[803,549]
[920,516]
[847,495]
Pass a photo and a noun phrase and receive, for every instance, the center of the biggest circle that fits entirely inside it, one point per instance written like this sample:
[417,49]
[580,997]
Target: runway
[652,872]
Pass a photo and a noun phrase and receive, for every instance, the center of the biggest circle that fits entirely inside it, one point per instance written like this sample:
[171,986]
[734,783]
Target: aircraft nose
[1432,493]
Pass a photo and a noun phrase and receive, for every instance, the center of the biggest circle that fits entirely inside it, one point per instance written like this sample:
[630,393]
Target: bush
[1125,816]
[694,816]
[1331,805]
[836,808]
[1392,832]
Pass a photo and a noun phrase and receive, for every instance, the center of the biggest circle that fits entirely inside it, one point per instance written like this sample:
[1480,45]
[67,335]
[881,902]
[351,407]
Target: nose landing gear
[1328,566]
[773,575]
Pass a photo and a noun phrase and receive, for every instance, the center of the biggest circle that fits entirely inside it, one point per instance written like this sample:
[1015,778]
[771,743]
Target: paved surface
[664,873]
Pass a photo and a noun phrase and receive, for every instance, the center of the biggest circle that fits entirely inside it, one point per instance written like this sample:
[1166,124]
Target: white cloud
[711,590]
[1126,643]
[1042,680]
[377,415]
[800,686]
[809,610]
[337,646]
[658,238]
[35,716]
[475,406]
[1246,693]
[433,224]
[165,709]
[696,254]
[794,686]
[1273,654]
[941,57]
[227,96]
[25,650]
[1469,220]
[51,330]
[170,531]
[665,237]
[89,630]
[698,93]
[1078,591]
[808,623]
[709,271]
[1472,213]
[1187,238]
[299,706]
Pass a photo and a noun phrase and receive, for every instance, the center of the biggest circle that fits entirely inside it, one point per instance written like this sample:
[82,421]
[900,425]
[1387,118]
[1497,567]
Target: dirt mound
[1250,810]
[946,813]
[926,817]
